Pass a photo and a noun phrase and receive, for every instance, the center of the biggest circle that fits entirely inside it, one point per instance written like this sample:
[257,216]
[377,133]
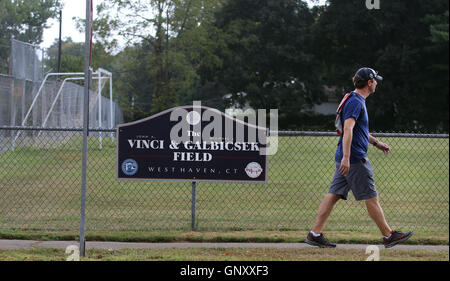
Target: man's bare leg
[376,213]
[325,208]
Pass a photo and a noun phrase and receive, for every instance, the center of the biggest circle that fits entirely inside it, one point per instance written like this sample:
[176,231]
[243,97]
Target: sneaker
[319,241]
[395,238]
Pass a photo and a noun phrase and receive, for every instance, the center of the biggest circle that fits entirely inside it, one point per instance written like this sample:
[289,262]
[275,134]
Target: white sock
[314,234]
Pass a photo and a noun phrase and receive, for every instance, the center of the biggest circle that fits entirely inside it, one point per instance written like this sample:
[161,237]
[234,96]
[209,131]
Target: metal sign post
[193,204]
[87,80]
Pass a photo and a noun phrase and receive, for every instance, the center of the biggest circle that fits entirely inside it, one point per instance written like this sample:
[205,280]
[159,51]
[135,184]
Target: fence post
[87,79]
[111,123]
[99,89]
[12,114]
[193,204]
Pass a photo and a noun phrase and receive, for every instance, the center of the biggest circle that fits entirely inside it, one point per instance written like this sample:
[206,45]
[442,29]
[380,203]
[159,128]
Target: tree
[169,33]
[147,21]
[399,40]
[24,20]
[132,83]
[267,58]
[72,56]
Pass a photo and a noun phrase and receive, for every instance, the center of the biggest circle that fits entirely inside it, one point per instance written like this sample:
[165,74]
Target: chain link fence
[4,52]
[27,61]
[31,97]
[58,105]
[40,187]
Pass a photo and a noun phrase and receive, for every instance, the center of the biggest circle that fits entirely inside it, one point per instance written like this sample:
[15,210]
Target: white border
[193,107]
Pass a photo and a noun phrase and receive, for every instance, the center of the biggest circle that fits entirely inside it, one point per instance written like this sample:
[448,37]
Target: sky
[72,8]
[75,8]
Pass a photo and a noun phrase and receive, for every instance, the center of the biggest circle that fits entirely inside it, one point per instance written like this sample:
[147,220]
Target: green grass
[223,254]
[40,191]
[255,236]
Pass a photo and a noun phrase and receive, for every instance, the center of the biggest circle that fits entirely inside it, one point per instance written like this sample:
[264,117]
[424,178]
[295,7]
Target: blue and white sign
[129,167]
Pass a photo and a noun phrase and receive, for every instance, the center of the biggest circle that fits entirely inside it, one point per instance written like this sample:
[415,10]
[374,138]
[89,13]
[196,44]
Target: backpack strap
[338,122]
[341,105]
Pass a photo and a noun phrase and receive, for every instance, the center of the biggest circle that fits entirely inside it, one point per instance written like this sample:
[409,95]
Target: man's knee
[372,200]
[333,198]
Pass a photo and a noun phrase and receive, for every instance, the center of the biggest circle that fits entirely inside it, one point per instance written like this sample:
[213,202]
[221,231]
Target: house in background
[328,107]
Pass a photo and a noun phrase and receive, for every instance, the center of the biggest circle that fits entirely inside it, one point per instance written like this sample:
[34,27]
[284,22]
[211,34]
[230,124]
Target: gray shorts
[359,180]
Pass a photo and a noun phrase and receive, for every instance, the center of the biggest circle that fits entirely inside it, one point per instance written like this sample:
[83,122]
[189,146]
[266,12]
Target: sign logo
[129,167]
[193,118]
[253,170]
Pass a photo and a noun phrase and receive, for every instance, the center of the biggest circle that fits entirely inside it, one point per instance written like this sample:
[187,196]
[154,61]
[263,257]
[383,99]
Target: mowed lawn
[40,186]
[223,254]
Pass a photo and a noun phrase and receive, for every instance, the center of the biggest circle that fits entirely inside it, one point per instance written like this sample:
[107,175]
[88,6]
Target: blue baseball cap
[367,74]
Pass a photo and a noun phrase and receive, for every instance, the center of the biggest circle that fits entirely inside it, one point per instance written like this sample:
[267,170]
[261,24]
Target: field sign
[191,143]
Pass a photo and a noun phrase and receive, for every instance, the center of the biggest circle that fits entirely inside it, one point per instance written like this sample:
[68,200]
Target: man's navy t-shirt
[355,107]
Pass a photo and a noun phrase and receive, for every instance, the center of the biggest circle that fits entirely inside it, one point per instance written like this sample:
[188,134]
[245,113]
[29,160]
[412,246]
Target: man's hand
[380,145]
[345,166]
[383,147]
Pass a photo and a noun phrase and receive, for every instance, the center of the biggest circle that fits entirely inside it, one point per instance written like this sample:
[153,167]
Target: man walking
[353,169]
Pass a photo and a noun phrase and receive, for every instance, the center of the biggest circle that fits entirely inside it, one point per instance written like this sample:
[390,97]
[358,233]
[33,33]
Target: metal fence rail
[40,184]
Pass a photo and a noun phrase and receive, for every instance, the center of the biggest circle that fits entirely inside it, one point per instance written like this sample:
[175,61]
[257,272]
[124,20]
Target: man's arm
[380,145]
[349,124]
